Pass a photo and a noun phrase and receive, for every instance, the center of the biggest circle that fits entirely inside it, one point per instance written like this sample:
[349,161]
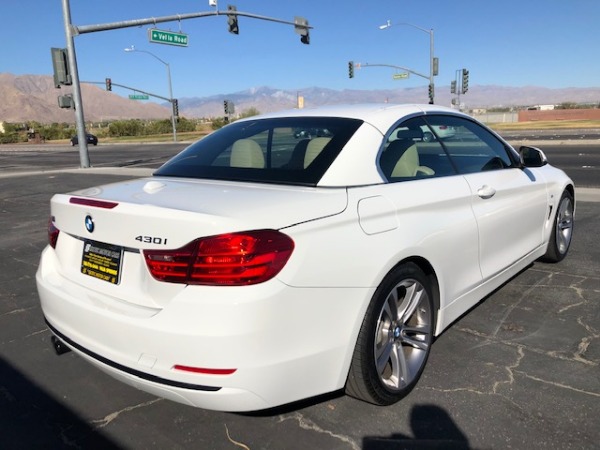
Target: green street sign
[167,37]
[400,76]
[138,97]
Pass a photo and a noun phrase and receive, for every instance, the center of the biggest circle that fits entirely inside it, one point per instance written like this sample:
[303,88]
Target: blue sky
[549,43]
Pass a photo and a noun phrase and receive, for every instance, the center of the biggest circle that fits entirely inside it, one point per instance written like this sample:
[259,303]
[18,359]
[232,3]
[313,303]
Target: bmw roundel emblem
[89,223]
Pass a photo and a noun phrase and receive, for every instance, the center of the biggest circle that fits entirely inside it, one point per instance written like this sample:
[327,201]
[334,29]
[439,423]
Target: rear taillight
[52,233]
[234,259]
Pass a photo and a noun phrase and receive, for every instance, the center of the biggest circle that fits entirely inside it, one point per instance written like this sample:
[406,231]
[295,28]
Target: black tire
[398,331]
[562,230]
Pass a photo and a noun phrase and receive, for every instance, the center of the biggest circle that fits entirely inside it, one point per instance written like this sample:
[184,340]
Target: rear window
[294,150]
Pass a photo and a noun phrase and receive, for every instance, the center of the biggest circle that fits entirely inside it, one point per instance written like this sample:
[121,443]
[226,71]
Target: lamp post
[431,57]
[133,49]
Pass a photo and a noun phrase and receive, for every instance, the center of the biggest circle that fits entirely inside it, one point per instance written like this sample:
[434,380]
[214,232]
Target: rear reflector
[92,202]
[234,259]
[53,232]
[204,370]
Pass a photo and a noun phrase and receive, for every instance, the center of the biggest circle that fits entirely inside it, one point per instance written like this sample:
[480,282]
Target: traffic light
[431,93]
[66,101]
[301,27]
[436,66]
[465,81]
[350,69]
[60,64]
[453,87]
[108,84]
[232,20]
[175,108]
[226,107]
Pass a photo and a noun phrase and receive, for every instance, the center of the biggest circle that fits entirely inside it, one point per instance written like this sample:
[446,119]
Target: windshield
[292,150]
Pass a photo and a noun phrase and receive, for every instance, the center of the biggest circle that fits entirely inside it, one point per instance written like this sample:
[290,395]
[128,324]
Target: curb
[583,194]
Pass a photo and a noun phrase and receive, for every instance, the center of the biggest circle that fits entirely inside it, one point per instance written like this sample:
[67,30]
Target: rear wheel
[395,338]
[562,230]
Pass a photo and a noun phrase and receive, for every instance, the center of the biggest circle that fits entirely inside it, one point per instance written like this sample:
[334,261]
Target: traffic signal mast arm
[82,29]
[71,30]
[360,65]
[131,89]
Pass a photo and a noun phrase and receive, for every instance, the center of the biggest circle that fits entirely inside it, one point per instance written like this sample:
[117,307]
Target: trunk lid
[103,233]
[175,211]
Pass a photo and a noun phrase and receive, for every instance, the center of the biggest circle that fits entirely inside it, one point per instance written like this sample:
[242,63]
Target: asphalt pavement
[520,370]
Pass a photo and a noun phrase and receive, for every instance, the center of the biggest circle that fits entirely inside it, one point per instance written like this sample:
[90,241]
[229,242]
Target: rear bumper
[284,343]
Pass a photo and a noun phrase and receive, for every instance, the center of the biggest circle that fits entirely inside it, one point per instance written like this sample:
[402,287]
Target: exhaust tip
[59,346]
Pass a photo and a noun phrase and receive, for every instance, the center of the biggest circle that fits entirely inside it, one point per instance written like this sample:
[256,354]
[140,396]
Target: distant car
[252,270]
[91,139]
[438,132]
[311,133]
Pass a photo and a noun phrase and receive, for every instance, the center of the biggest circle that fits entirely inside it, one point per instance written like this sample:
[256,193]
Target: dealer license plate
[102,261]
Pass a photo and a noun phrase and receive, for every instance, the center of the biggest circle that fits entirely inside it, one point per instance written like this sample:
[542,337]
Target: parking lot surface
[520,370]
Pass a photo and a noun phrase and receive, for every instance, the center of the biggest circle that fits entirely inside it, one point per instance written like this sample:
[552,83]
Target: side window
[471,147]
[412,151]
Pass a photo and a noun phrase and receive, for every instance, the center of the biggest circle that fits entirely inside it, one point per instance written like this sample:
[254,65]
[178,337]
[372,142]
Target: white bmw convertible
[263,265]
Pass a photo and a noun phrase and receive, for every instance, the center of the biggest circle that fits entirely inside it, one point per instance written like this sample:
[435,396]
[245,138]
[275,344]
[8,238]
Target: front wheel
[395,338]
[562,230]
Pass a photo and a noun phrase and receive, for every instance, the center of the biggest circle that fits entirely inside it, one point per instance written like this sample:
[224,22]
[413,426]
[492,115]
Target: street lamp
[432,70]
[133,49]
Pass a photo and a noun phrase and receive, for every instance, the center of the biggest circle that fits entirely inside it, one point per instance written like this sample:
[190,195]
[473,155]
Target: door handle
[486,192]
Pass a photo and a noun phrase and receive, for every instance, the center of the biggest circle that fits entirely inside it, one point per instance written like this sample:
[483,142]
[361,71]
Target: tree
[218,122]
[252,111]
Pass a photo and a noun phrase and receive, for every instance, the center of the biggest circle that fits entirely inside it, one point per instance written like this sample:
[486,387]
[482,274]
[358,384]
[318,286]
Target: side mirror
[532,156]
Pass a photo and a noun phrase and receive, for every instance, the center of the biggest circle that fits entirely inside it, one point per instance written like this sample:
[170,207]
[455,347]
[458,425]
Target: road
[520,370]
[581,161]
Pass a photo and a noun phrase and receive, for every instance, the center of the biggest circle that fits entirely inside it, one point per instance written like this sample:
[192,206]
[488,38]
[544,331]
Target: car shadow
[30,418]
[432,428]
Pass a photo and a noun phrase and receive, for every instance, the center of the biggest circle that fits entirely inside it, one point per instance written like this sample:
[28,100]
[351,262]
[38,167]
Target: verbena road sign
[167,37]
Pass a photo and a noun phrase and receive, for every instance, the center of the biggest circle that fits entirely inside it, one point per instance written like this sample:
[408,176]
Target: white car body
[293,336]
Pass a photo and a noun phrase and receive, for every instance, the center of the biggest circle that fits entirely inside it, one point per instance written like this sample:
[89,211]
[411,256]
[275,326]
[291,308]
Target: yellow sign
[101,261]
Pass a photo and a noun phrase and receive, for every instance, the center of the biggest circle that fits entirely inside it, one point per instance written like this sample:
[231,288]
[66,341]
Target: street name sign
[138,97]
[400,76]
[167,37]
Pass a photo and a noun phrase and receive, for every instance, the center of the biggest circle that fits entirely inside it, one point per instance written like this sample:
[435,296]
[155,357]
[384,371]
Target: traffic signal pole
[84,156]
[300,26]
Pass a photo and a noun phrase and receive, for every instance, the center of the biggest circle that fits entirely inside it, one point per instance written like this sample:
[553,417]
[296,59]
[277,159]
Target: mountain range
[34,97]
[267,99]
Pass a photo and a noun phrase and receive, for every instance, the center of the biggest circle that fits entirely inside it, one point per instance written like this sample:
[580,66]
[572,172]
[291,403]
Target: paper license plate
[102,261]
